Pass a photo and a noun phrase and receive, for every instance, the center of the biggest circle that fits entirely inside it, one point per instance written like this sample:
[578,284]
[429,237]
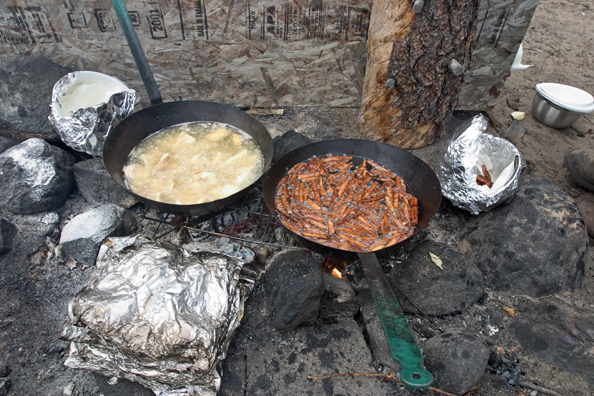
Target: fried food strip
[485,179]
[309,176]
[337,203]
[482,181]
[378,166]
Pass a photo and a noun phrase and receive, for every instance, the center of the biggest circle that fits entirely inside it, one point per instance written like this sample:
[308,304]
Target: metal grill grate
[246,221]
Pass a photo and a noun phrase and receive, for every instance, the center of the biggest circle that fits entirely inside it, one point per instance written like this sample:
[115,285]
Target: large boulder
[7,233]
[556,332]
[288,142]
[457,359]
[97,186]
[6,143]
[82,237]
[294,284]
[35,177]
[26,84]
[433,290]
[535,244]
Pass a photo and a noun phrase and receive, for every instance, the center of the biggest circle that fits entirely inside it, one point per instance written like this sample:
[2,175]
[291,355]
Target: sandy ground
[559,46]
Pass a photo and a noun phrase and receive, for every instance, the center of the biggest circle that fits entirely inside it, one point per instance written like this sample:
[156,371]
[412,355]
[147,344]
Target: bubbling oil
[193,163]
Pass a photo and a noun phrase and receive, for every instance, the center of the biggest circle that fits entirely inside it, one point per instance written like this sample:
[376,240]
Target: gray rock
[35,177]
[7,233]
[6,143]
[97,186]
[4,386]
[516,128]
[38,227]
[512,104]
[262,360]
[535,244]
[435,291]
[26,84]
[457,359]
[552,330]
[295,285]
[339,299]
[287,142]
[83,235]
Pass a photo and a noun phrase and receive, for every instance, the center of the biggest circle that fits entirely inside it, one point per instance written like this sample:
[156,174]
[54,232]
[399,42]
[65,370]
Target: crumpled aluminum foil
[88,127]
[458,171]
[158,314]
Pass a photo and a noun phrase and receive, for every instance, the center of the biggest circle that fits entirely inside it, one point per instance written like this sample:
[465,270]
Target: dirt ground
[559,46]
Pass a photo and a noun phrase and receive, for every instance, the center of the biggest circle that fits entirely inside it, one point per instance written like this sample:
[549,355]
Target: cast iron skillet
[422,182]
[134,128]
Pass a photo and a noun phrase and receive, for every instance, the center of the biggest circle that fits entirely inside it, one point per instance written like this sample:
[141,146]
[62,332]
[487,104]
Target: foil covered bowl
[86,105]
[469,149]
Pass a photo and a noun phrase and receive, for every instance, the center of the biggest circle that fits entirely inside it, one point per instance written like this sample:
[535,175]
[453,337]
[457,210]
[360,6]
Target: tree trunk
[415,69]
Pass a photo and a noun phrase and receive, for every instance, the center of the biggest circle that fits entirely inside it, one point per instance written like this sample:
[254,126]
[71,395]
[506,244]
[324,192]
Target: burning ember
[334,267]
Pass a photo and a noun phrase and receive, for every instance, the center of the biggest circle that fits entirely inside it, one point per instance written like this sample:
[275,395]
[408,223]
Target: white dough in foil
[90,109]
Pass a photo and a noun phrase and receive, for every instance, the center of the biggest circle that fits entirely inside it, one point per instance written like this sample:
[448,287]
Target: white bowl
[88,89]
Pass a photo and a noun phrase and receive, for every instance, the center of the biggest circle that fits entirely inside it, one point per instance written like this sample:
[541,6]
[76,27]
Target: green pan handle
[143,67]
[401,340]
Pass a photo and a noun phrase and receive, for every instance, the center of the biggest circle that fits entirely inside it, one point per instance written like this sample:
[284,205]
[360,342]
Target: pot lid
[570,98]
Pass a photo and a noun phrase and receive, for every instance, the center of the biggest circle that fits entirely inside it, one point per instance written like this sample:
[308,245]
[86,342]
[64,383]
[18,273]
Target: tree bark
[412,84]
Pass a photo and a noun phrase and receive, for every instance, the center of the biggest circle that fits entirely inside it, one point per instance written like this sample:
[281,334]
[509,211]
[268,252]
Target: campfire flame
[334,267]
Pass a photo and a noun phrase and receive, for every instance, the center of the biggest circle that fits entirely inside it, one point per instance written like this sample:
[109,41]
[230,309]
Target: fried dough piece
[236,156]
[185,139]
[137,171]
[151,158]
[236,139]
[204,176]
[218,134]
[164,163]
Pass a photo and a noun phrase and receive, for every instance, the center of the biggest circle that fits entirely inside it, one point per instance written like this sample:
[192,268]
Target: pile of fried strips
[331,201]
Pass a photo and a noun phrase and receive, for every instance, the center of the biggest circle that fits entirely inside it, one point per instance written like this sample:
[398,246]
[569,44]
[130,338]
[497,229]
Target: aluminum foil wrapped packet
[469,150]
[86,105]
[158,314]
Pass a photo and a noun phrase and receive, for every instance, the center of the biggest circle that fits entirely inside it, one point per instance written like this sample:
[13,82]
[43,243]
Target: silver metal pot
[552,115]
[559,106]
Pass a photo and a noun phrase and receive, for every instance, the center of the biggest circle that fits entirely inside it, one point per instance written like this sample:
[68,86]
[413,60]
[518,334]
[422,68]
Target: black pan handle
[143,67]
[401,340]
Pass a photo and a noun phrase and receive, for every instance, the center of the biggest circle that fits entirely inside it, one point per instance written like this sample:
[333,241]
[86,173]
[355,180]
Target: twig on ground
[587,118]
[5,324]
[527,384]
[385,377]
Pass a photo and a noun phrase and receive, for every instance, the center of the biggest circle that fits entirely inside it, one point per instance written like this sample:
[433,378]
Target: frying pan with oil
[421,182]
[126,135]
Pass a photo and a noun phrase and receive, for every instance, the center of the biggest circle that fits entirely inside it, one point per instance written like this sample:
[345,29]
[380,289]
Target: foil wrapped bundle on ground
[84,107]
[157,314]
[479,171]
